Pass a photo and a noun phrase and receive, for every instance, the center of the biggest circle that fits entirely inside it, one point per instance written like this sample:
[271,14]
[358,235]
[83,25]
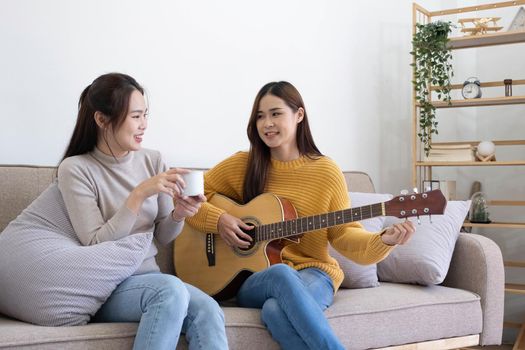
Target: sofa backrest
[21,184]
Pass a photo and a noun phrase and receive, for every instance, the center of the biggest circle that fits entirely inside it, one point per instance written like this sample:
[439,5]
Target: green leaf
[431,66]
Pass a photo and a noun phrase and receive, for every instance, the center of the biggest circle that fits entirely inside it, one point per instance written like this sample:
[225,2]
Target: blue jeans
[165,306]
[292,304]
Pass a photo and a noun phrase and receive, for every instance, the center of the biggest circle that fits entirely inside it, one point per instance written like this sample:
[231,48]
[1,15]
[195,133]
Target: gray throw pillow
[48,277]
[425,259]
[361,276]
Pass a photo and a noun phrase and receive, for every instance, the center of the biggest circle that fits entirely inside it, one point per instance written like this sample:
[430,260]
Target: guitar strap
[210,248]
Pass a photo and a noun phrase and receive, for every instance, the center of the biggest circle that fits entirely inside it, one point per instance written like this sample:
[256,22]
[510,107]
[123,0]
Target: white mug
[194,181]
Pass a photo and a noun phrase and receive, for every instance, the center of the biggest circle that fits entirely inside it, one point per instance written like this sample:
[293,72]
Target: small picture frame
[447,187]
[518,23]
[429,185]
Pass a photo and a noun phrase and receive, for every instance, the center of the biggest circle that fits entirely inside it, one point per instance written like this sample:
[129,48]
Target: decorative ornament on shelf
[486,151]
[508,87]
[471,88]
[481,25]
[432,68]
[479,212]
[518,23]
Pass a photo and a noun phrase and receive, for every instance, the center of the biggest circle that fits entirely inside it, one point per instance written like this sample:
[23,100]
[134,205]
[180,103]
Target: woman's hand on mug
[187,206]
[230,229]
[169,182]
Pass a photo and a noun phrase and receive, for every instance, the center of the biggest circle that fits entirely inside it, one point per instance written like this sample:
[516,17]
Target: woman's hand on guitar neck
[230,228]
[398,233]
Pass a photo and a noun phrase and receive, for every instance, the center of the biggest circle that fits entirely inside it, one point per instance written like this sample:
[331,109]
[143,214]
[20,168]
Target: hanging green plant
[432,67]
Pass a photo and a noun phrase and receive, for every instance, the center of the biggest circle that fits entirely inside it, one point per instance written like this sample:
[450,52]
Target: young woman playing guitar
[284,160]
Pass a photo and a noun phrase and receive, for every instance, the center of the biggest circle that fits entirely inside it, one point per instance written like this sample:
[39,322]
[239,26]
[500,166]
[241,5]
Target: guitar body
[205,261]
[232,265]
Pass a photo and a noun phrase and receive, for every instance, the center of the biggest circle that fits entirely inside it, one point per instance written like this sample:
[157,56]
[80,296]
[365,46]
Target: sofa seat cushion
[20,335]
[395,314]
[391,314]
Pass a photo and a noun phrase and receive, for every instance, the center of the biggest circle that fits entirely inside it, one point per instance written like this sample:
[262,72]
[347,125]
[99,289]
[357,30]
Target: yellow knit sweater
[314,187]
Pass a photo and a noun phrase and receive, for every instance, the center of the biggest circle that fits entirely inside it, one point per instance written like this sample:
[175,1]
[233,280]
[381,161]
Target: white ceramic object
[486,148]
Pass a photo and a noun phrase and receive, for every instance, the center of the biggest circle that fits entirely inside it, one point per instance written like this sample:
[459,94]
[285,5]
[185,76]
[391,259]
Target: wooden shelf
[474,102]
[475,143]
[485,84]
[493,39]
[514,263]
[515,288]
[494,163]
[495,224]
[475,8]
[508,324]
[506,203]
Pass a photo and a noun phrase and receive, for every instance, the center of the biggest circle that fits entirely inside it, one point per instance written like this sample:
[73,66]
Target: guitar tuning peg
[428,188]
[404,192]
[430,218]
[418,220]
[415,190]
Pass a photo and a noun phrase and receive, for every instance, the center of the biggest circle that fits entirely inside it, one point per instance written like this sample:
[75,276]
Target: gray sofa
[467,309]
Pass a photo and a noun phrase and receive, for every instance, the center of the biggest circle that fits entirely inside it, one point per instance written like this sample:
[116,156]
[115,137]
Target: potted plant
[432,67]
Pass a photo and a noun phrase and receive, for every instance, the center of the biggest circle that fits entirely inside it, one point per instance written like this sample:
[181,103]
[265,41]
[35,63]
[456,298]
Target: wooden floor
[492,347]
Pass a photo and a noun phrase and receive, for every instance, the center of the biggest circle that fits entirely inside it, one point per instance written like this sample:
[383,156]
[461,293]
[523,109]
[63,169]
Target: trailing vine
[432,67]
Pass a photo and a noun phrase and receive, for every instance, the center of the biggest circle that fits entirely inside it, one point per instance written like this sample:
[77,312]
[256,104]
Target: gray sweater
[95,187]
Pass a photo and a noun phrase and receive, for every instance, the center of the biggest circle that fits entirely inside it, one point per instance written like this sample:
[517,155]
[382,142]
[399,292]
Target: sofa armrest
[477,266]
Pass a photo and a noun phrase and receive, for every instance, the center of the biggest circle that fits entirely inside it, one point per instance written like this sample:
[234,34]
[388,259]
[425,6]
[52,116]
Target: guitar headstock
[416,204]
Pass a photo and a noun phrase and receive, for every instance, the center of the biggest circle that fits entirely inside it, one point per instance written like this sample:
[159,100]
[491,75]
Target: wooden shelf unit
[477,102]
[514,263]
[515,288]
[485,84]
[496,224]
[503,38]
[423,170]
[493,163]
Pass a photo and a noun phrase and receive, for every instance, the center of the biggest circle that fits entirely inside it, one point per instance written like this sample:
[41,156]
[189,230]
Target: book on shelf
[451,153]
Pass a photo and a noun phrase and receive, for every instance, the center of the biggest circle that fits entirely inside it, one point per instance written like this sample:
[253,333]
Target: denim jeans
[165,306]
[292,304]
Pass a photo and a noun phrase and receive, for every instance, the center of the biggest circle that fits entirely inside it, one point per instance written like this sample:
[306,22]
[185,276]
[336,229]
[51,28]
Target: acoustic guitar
[207,262]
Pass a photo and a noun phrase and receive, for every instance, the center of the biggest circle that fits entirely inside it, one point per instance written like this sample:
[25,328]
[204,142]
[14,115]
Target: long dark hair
[259,156]
[108,94]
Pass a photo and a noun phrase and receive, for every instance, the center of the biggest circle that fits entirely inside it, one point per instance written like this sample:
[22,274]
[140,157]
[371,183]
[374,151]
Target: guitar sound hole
[250,233]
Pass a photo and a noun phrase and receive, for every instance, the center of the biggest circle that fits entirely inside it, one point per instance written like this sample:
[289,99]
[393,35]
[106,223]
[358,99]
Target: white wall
[202,62]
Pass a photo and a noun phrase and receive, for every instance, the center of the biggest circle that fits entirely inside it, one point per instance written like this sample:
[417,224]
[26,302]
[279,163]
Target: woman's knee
[283,273]
[210,307]
[281,270]
[270,311]
[171,291]
[202,303]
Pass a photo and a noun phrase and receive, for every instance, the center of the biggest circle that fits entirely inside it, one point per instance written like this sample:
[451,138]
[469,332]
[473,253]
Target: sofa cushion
[20,335]
[394,314]
[425,259]
[48,277]
[356,275]
[391,314]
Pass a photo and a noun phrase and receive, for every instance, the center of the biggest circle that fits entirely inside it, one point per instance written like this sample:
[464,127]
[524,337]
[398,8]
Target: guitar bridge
[210,248]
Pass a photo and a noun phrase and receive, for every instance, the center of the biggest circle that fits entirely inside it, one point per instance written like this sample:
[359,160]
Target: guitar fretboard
[315,222]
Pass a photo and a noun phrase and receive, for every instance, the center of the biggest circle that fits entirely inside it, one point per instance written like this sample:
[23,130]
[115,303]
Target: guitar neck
[305,224]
